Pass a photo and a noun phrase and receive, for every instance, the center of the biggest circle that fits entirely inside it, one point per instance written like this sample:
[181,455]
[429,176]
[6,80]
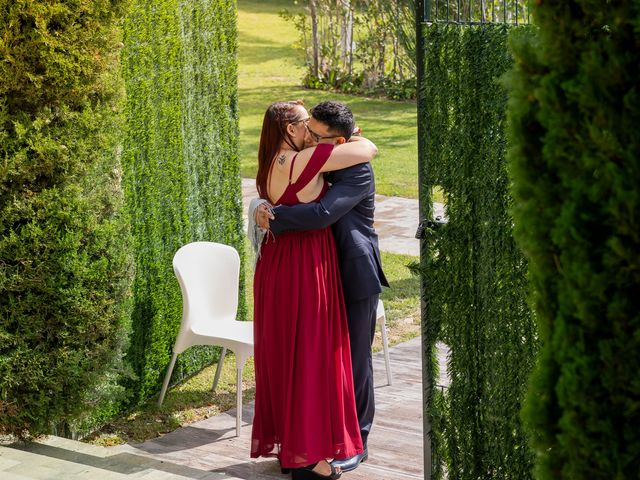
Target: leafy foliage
[181,163]
[65,267]
[475,276]
[361,46]
[574,114]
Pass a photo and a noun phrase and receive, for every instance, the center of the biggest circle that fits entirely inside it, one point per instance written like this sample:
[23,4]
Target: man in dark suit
[348,206]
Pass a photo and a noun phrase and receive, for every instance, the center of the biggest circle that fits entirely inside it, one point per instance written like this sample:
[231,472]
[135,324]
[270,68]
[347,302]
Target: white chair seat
[233,332]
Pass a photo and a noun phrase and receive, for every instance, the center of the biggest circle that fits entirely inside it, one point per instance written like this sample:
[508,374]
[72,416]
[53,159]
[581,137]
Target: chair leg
[238,400]
[385,348]
[219,369]
[167,377]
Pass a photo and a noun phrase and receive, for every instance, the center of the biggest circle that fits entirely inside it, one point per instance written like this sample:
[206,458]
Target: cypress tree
[575,163]
[64,259]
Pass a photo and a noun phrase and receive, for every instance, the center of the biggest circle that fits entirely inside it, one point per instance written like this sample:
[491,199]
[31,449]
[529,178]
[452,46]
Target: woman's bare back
[344,155]
[281,170]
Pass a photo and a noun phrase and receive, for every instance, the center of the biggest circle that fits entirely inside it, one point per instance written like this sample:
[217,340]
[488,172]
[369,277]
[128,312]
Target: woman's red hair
[274,132]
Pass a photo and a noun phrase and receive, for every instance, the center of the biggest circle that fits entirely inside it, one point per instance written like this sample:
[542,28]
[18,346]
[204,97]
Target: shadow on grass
[261,53]
[270,7]
[186,403]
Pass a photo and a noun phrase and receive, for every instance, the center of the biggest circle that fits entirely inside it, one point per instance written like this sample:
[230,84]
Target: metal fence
[474,12]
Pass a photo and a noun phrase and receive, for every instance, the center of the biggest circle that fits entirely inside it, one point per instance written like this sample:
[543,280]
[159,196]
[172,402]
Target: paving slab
[55,458]
[210,450]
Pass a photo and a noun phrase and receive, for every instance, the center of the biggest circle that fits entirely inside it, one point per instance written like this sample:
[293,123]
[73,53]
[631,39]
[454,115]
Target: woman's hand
[263,214]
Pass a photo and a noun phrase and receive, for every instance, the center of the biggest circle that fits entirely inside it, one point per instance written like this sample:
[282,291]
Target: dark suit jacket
[348,205]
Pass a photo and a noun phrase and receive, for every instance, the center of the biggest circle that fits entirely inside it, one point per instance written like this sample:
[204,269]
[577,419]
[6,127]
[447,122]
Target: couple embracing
[316,288]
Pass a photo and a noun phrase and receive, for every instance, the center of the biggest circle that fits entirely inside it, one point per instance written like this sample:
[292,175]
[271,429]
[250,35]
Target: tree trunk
[397,70]
[314,35]
[351,42]
[346,28]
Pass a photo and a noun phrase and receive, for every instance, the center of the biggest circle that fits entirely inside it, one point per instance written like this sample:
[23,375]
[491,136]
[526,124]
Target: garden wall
[181,164]
[474,275]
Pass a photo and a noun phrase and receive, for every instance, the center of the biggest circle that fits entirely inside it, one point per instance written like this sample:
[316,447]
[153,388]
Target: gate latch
[434,224]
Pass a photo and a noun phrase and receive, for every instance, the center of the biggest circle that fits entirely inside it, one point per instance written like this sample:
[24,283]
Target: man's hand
[263,214]
[356,135]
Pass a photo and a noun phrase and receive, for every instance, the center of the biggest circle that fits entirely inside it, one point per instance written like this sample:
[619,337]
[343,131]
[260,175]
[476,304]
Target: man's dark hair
[337,116]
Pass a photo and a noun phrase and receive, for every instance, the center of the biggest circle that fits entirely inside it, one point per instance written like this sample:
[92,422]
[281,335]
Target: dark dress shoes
[351,463]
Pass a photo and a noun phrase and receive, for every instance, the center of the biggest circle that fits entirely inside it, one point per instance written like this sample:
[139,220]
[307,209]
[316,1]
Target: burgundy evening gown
[305,408]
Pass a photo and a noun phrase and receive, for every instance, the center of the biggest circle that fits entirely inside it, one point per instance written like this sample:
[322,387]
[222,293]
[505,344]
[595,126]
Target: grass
[193,400]
[401,301]
[189,402]
[270,69]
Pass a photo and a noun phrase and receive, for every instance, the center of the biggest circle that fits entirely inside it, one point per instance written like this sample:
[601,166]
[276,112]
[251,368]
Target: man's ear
[340,140]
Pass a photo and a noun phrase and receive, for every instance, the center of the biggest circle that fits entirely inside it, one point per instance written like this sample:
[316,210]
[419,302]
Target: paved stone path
[210,450]
[396,219]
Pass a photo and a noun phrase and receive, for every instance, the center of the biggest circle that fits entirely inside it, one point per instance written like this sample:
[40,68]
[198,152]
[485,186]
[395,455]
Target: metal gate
[475,318]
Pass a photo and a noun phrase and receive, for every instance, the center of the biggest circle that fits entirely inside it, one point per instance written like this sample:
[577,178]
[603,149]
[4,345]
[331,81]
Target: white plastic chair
[208,274]
[381,319]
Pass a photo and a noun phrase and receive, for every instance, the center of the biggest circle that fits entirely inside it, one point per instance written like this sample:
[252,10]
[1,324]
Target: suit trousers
[361,317]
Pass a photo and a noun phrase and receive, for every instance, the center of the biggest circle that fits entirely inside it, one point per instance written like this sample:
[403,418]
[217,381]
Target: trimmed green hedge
[575,162]
[475,276]
[65,267]
[181,163]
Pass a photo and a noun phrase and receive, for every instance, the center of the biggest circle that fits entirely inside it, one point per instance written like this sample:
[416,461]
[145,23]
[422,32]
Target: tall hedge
[575,162]
[475,275]
[181,163]
[64,259]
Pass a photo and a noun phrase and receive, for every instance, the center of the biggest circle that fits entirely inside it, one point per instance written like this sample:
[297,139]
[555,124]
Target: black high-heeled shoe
[307,473]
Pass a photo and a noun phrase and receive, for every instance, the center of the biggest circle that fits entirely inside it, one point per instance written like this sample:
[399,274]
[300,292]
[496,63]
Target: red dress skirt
[305,408]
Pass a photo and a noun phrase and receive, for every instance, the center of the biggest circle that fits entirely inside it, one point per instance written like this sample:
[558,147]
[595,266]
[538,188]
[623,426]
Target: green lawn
[270,69]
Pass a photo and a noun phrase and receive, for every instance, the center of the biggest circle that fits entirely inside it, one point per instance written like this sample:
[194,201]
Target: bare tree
[315,43]
[346,32]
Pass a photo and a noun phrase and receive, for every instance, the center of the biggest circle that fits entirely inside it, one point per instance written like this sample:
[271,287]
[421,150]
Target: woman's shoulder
[321,149]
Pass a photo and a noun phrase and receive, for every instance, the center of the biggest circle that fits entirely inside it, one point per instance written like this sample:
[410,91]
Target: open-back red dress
[305,408]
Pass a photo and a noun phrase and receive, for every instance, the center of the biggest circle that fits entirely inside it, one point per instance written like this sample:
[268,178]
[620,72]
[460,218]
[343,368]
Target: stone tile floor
[209,449]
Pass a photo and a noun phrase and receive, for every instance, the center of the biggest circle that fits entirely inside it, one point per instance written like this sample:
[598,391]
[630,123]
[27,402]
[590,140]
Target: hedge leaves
[85,270]
[181,163]
[575,162]
[64,258]
[475,275]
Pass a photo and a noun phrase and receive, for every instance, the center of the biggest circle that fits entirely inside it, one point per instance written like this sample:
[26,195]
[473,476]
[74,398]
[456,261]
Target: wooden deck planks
[395,444]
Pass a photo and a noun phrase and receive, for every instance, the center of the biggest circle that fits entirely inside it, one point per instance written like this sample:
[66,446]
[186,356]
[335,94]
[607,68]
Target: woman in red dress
[305,410]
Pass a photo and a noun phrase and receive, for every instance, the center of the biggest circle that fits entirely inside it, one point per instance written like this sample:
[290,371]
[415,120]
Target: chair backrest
[208,274]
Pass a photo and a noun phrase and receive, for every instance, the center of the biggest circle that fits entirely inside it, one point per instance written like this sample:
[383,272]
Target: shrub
[64,258]
[575,111]
[359,47]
